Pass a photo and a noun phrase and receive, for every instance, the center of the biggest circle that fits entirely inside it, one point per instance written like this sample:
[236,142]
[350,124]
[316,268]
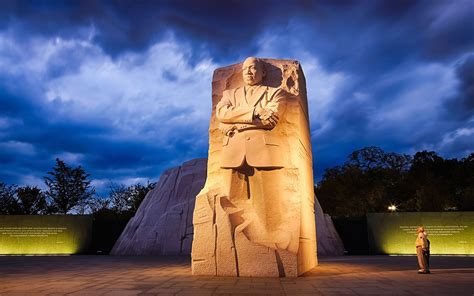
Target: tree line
[69,190]
[372,180]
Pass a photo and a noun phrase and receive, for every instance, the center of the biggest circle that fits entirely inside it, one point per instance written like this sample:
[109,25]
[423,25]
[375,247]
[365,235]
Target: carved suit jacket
[246,138]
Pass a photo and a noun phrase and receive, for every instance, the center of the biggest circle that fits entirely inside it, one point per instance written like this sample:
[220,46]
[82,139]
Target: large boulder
[163,223]
[329,241]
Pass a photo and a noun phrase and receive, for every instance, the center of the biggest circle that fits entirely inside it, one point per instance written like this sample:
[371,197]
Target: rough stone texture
[329,241]
[257,219]
[163,222]
[169,207]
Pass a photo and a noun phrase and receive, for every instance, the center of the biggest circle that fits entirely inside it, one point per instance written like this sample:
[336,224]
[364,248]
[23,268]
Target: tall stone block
[255,214]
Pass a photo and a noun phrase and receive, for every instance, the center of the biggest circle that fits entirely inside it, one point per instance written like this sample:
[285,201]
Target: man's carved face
[252,71]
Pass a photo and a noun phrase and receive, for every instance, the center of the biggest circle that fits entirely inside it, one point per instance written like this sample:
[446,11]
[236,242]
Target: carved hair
[259,62]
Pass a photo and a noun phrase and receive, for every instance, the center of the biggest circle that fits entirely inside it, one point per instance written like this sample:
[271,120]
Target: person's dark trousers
[426,259]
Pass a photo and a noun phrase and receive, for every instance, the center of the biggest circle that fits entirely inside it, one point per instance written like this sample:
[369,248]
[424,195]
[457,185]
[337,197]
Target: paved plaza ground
[114,275]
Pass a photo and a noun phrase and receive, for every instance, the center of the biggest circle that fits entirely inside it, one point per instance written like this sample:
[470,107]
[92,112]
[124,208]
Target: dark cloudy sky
[123,88]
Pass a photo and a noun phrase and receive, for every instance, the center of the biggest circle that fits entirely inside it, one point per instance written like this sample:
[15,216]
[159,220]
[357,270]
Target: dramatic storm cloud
[123,87]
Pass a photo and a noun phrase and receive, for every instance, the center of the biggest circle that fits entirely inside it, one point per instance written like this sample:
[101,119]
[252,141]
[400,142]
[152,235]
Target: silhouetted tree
[367,182]
[68,187]
[432,182]
[465,194]
[128,199]
[139,191]
[372,179]
[31,200]
[370,158]
[119,198]
[97,204]
[8,202]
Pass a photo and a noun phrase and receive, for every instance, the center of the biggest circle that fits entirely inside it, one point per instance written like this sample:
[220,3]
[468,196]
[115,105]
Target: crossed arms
[264,114]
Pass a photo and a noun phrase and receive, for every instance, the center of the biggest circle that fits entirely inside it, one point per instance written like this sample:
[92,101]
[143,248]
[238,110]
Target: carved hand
[269,117]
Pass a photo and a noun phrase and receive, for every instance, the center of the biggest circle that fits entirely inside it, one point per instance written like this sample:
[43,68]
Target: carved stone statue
[255,215]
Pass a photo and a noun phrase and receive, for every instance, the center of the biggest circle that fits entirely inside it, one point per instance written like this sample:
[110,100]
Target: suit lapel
[240,96]
[257,94]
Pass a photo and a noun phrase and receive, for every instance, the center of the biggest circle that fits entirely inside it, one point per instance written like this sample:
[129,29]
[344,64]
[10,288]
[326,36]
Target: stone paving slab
[116,275]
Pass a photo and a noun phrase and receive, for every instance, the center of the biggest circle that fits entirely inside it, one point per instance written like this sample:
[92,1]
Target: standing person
[422,246]
[427,252]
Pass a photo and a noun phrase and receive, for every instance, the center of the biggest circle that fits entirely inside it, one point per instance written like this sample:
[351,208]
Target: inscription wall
[41,235]
[450,233]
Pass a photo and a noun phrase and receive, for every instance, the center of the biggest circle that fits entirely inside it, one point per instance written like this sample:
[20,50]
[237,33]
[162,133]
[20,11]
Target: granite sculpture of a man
[251,154]
[248,217]
[247,115]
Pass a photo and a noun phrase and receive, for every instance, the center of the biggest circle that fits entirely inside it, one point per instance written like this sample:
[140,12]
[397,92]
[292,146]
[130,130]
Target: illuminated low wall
[395,233]
[42,235]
